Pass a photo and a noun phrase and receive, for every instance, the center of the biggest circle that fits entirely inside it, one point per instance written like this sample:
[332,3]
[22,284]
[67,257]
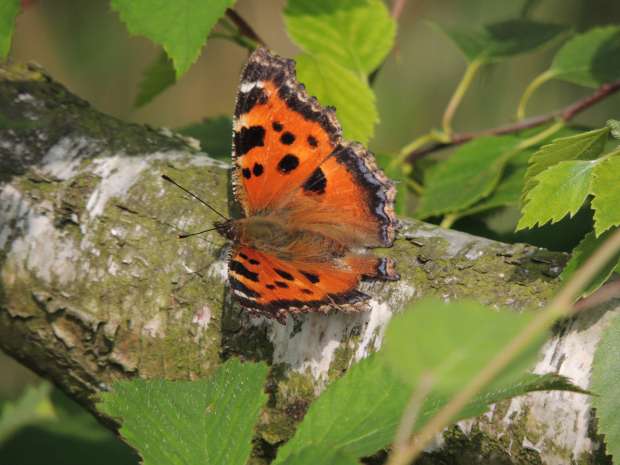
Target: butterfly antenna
[172,181]
[183,236]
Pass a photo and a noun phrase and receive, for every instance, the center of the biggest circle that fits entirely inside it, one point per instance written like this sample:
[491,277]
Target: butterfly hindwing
[274,287]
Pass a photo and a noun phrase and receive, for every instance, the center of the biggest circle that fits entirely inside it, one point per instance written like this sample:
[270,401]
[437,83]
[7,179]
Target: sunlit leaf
[336,85]
[357,34]
[559,191]
[585,146]
[180,27]
[606,191]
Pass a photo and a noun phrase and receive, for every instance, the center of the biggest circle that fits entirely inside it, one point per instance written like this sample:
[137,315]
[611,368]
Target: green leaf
[357,34]
[559,191]
[509,188]
[209,421]
[317,455]
[358,414]
[335,85]
[589,59]
[498,41]
[214,135]
[451,342]
[605,386]
[157,78]
[8,12]
[584,250]
[180,27]
[470,174]
[33,406]
[585,146]
[606,191]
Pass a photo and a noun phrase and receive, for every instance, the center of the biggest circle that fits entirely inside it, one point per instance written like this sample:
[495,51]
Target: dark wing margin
[380,190]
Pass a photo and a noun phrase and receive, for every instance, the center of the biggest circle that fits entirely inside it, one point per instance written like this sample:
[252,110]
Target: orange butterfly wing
[280,134]
[273,287]
[289,155]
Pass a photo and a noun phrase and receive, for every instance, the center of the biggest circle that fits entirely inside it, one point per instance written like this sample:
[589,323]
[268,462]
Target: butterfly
[312,203]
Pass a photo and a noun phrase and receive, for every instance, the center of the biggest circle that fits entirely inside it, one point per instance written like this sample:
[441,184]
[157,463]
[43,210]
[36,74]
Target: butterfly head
[228,229]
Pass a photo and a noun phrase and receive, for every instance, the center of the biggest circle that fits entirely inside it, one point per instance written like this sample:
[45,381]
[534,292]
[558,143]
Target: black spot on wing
[258,169]
[316,183]
[312,142]
[248,138]
[248,100]
[287,138]
[281,284]
[313,278]
[241,270]
[277,126]
[254,262]
[237,285]
[270,286]
[307,291]
[247,174]
[288,163]
[284,274]
[244,256]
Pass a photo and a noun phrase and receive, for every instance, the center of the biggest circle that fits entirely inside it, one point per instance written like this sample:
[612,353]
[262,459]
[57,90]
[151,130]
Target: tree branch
[565,114]
[96,287]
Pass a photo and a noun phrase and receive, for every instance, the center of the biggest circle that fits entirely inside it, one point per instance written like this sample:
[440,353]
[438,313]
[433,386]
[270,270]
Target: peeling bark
[95,286]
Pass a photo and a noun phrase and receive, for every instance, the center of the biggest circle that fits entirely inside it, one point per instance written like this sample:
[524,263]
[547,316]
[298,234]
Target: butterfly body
[313,203]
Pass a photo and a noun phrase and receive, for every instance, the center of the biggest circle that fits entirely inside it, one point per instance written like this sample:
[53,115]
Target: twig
[560,307]
[565,114]
[244,28]
[609,291]
[397,8]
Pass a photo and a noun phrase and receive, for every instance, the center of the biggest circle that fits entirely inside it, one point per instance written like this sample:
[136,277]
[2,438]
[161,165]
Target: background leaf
[606,191]
[471,173]
[209,421]
[559,191]
[157,78]
[214,135]
[8,12]
[582,253]
[501,40]
[335,85]
[589,59]
[33,406]
[180,27]
[605,386]
[357,34]
[509,188]
[586,146]
[58,428]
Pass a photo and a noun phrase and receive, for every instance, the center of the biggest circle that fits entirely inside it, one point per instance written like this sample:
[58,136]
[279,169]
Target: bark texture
[95,286]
